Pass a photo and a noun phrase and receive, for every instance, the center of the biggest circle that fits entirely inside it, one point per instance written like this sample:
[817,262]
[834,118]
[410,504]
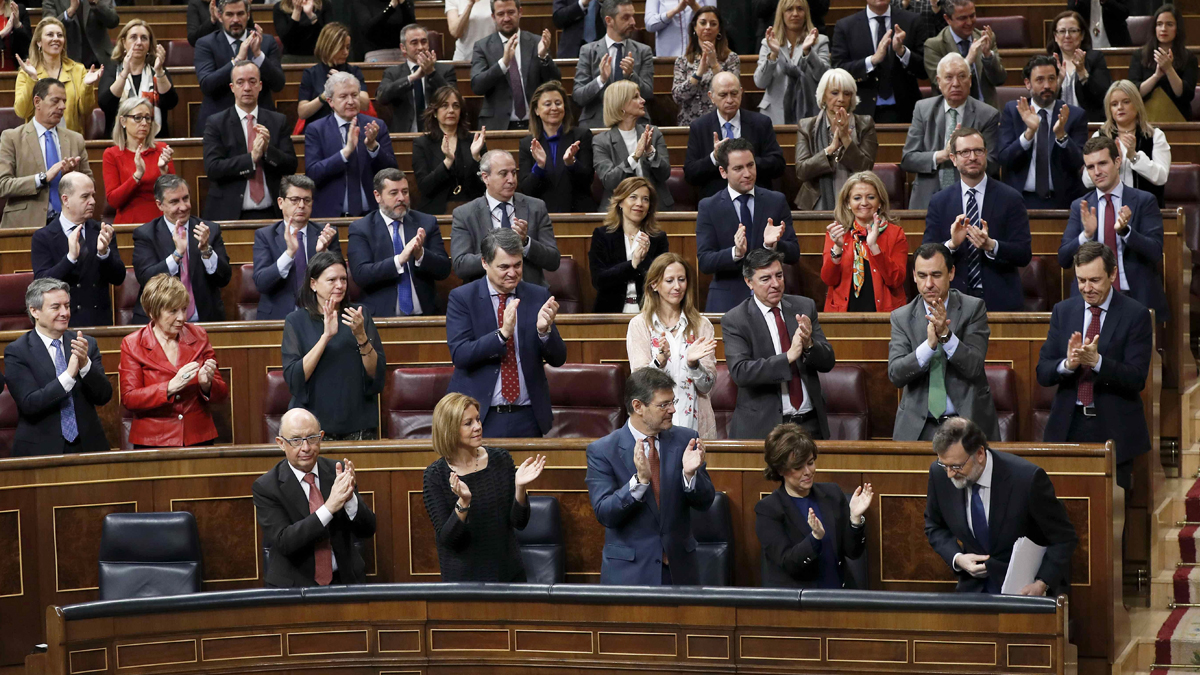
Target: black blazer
[1023,504]
[436,184]
[570,18]
[698,168]
[34,386]
[1138,73]
[789,560]
[214,67]
[396,91]
[372,262]
[229,167]
[90,277]
[565,189]
[1125,346]
[853,43]
[1066,160]
[378,26]
[1090,94]
[1114,13]
[612,270]
[152,243]
[292,533]
[276,294]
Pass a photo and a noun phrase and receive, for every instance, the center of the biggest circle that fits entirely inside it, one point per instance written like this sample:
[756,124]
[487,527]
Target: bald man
[729,120]
[310,512]
[80,251]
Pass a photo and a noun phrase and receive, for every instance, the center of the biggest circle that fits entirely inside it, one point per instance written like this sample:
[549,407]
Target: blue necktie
[744,212]
[729,130]
[404,288]
[617,73]
[979,523]
[589,21]
[52,159]
[70,429]
[504,220]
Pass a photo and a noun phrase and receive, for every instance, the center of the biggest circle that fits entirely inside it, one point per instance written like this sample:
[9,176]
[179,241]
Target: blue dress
[830,572]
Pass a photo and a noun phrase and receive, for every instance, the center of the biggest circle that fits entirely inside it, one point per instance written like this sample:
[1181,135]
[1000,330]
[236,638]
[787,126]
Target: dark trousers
[269,213]
[521,423]
[1086,429]
[666,575]
[892,114]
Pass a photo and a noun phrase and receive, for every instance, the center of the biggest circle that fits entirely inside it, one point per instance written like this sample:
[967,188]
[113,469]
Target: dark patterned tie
[974,255]
[510,379]
[1042,157]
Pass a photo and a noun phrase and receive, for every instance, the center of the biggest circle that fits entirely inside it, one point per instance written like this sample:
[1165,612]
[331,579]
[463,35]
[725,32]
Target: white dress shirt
[638,490]
[256,60]
[924,354]
[68,227]
[784,394]
[985,496]
[610,47]
[631,287]
[1154,169]
[67,382]
[516,62]
[210,263]
[392,226]
[248,203]
[420,82]
[1118,200]
[1031,179]
[1087,321]
[323,513]
[498,393]
[737,130]
[497,217]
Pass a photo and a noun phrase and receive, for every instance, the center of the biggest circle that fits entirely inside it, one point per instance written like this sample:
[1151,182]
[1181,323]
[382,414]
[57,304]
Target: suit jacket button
[177,398]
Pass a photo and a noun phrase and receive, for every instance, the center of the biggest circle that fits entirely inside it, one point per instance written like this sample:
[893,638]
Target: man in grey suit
[501,207]
[507,66]
[939,342]
[926,150]
[774,347]
[87,23]
[612,58]
[409,87]
[977,46]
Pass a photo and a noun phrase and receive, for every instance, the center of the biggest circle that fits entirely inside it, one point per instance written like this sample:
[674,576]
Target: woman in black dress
[298,24]
[446,158]
[1165,71]
[331,52]
[332,355]
[624,246]
[1082,71]
[556,157]
[475,497]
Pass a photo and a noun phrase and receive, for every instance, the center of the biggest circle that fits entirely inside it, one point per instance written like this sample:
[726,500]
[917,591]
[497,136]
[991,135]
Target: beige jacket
[20,163]
[637,343]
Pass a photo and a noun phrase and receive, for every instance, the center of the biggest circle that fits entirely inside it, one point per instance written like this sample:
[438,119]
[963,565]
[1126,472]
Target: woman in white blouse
[1145,154]
[468,20]
[669,21]
[671,335]
[793,57]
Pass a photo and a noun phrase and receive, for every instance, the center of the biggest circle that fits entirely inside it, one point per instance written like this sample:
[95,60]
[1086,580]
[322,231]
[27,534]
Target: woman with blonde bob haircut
[624,246]
[134,162]
[48,58]
[475,497]
[630,147]
[872,279]
[791,82]
[1145,153]
[833,144]
[671,335]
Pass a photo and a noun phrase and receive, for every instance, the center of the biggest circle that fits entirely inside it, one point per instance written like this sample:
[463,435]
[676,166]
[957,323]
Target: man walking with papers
[980,501]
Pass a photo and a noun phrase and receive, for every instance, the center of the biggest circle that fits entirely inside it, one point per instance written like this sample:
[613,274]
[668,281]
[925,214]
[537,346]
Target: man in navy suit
[985,224]
[1124,219]
[1097,352]
[344,151]
[1045,171]
[884,49]
[644,479]
[81,252]
[726,122]
[56,378]
[501,334]
[396,255]
[282,250]
[737,219]
[217,52]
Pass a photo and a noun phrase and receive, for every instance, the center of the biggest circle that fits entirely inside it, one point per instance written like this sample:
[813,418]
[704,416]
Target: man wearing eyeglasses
[985,225]
[282,250]
[980,501]
[310,512]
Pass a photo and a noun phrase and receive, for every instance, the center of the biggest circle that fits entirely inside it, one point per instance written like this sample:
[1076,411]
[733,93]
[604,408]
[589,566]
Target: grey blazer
[589,93]
[472,221]
[800,73]
[488,81]
[928,134]
[611,161]
[814,167]
[95,20]
[758,371]
[966,382]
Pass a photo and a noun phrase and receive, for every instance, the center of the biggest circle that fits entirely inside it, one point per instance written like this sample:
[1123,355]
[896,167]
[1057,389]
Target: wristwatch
[461,509]
[943,339]
[42,178]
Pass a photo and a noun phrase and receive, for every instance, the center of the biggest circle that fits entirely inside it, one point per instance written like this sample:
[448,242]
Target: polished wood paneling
[161,653]
[11,579]
[780,647]
[228,536]
[77,542]
[242,647]
[327,642]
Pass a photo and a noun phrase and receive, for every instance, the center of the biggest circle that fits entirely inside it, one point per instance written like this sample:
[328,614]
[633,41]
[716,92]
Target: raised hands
[801,339]
[183,377]
[772,43]
[571,153]
[460,489]
[538,152]
[164,158]
[529,470]
[809,41]
[958,230]
[1085,353]
[947,151]
[860,502]
[353,318]
[1087,216]
[1129,143]
[510,49]
[371,133]
[79,354]
[693,457]
[938,324]
[201,234]
[708,59]
[641,462]
[291,240]
[1123,217]
[477,144]
[898,36]
[27,68]
[717,141]
[1060,127]
[509,325]
[979,238]
[181,240]
[543,49]
[329,319]
[425,63]
[814,524]
[882,48]
[605,69]
[351,140]
[873,233]
[414,249]
[1029,116]
[546,315]
[645,144]
[521,227]
[627,65]
[75,243]
[326,237]
[342,490]
[699,350]
[104,239]
[1074,344]
[641,246]
[740,242]
[772,233]
[139,162]
[664,352]
[205,376]
[160,57]
[837,234]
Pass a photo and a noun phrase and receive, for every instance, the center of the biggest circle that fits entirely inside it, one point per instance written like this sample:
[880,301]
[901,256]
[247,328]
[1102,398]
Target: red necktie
[510,381]
[655,478]
[185,272]
[1086,396]
[795,388]
[323,552]
[257,184]
[1110,233]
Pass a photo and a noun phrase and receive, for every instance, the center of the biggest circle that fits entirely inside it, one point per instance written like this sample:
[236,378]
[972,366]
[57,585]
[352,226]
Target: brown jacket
[812,166]
[20,163]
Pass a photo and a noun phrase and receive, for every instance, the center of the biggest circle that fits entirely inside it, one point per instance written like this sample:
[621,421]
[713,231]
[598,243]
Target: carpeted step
[1192,503]
[1186,585]
[1187,543]
[1178,641]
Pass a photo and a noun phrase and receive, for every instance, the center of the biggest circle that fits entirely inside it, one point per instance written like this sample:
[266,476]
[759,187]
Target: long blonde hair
[785,5]
[614,219]
[651,300]
[35,46]
[447,418]
[1109,128]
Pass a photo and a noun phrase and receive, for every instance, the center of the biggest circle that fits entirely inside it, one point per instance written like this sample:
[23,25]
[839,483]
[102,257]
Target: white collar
[67,225]
[342,121]
[946,107]
[242,114]
[736,120]
[229,38]
[47,340]
[979,189]
[871,15]
[1038,108]
[41,130]
[985,478]
[609,42]
[945,302]
[493,203]
[495,291]
[734,194]
[1118,192]
[301,474]
[413,66]
[637,435]
[762,307]
[960,40]
[1104,305]
[386,220]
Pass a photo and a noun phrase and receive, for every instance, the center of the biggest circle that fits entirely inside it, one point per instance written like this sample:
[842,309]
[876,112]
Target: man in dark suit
[202,19]
[980,501]
[984,224]
[310,511]
[883,48]
[81,252]
[937,351]
[179,244]
[397,255]
[507,66]
[87,23]
[643,480]
[1126,220]
[1046,172]
[614,56]
[501,334]
[217,52]
[409,87]
[579,23]
[775,348]
[743,217]
[1097,353]
[709,131]
[247,149]
[56,378]
[282,250]
[344,151]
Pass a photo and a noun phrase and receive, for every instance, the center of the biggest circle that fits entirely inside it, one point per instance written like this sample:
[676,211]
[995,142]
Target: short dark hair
[297,180]
[221,4]
[243,63]
[41,88]
[928,250]
[609,7]
[389,174]
[787,447]
[759,258]
[502,238]
[1038,60]
[959,430]
[965,132]
[643,382]
[1098,143]
[1091,250]
[167,181]
[307,299]
[731,145]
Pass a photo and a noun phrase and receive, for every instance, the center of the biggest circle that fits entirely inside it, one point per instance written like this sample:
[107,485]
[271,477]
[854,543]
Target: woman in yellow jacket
[47,59]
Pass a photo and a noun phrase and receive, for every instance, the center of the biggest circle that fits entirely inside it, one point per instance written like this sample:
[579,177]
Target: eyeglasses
[1067,31]
[667,404]
[299,201]
[971,152]
[956,468]
[297,442]
[140,119]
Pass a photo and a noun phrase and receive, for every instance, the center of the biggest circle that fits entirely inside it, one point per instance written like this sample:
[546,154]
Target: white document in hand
[1023,567]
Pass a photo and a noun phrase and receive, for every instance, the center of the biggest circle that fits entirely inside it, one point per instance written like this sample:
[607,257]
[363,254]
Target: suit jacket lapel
[311,234]
[162,236]
[792,517]
[40,357]
[32,145]
[239,132]
[293,493]
[626,448]
[325,472]
[528,51]
[1000,488]
[1109,325]
[760,214]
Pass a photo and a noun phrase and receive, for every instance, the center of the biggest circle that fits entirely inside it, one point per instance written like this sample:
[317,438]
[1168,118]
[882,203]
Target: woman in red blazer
[169,372]
[128,182]
[866,252]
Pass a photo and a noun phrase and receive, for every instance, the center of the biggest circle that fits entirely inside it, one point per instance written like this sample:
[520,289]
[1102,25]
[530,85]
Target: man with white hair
[344,151]
[926,150]
[977,46]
